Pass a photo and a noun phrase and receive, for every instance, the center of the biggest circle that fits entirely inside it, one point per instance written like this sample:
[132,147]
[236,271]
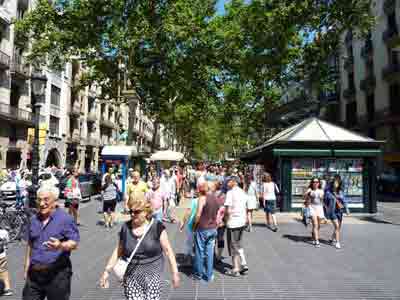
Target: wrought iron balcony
[391,72]
[75,136]
[389,6]
[55,110]
[4,61]
[367,50]
[18,68]
[348,64]
[391,37]
[11,113]
[75,109]
[368,84]
[349,93]
[92,141]
[92,116]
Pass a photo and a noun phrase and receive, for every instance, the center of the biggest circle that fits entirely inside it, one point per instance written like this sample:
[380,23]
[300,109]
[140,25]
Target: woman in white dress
[251,200]
[314,199]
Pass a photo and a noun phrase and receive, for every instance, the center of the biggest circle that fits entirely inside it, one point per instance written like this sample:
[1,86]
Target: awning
[123,151]
[167,155]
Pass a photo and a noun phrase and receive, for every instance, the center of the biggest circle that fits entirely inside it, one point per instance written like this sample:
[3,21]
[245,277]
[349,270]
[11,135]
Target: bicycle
[10,221]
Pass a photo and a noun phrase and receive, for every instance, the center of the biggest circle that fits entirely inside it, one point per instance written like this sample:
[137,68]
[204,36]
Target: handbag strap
[140,241]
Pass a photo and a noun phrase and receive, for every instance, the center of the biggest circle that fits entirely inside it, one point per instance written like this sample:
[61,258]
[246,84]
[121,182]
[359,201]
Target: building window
[392,24]
[394,98]
[91,104]
[351,114]
[370,107]
[350,78]
[54,125]
[55,95]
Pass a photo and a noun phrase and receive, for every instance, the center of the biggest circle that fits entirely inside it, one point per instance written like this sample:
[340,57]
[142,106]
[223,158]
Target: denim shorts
[158,215]
[270,206]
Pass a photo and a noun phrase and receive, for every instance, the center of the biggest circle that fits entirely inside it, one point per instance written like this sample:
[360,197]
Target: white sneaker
[314,242]
[317,244]
[337,245]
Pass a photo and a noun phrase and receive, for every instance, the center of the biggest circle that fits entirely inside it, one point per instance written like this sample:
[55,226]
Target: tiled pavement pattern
[283,265]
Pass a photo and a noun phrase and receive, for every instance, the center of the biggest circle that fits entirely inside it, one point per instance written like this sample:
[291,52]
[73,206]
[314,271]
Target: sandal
[232,273]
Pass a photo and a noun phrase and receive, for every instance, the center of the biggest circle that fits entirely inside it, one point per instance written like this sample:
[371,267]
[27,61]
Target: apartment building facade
[15,111]
[301,100]
[370,80]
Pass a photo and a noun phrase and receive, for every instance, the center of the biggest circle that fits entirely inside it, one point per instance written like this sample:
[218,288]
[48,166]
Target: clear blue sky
[220,6]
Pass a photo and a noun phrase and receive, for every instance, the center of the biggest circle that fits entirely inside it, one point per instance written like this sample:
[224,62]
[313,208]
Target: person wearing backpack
[270,192]
[110,195]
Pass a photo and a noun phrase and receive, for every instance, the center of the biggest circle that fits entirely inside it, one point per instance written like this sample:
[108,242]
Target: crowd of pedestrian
[220,202]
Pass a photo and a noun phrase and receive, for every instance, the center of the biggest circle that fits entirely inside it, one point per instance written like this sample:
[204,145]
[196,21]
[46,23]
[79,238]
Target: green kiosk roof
[314,137]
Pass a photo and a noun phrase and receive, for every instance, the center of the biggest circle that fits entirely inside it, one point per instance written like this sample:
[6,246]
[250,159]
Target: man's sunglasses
[135,211]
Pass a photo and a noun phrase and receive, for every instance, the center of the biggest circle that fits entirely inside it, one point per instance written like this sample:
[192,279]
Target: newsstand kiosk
[315,148]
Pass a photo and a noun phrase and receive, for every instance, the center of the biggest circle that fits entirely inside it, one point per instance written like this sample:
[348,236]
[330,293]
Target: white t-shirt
[269,189]
[316,196]
[236,200]
[4,239]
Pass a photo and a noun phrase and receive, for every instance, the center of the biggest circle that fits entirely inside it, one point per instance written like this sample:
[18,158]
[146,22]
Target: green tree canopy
[211,78]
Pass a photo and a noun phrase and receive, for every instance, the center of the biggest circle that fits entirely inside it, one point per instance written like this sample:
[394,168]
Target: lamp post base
[32,190]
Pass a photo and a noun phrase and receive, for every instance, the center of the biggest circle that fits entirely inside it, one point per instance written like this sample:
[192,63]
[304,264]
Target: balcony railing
[75,109]
[75,137]
[391,37]
[368,84]
[4,61]
[92,141]
[55,110]
[92,116]
[392,71]
[15,114]
[18,67]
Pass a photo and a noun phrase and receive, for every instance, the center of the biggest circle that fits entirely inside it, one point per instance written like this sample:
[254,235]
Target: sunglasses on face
[315,181]
[135,211]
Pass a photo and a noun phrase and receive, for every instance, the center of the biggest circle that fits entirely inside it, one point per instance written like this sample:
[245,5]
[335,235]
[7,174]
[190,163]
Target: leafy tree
[210,79]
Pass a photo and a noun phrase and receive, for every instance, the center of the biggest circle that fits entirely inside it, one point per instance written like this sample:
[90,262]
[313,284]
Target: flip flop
[232,273]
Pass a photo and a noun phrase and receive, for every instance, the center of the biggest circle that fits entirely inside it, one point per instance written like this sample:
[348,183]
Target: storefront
[315,148]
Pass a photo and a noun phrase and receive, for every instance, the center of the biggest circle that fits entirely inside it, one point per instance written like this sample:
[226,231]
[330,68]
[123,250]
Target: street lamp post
[38,92]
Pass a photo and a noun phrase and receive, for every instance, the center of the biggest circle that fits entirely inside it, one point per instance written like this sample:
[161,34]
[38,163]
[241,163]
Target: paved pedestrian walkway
[283,265]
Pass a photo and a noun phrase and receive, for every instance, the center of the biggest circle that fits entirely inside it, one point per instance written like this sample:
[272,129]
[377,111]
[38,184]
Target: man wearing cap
[52,236]
[236,211]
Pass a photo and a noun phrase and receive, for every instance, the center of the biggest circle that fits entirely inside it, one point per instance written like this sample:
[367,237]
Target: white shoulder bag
[122,265]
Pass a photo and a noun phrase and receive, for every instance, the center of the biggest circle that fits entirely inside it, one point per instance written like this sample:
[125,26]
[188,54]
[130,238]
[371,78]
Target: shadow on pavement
[303,239]
[186,267]
[375,220]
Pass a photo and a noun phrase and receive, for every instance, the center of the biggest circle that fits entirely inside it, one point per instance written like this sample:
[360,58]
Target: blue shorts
[270,207]
[158,215]
[336,215]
